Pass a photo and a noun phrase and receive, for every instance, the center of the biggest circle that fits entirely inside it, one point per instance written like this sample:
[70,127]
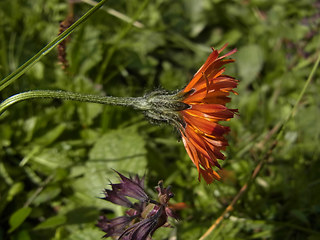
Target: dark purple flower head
[131,187]
[114,226]
[117,198]
[144,217]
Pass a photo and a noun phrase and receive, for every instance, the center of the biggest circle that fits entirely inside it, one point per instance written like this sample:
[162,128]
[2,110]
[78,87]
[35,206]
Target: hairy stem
[123,101]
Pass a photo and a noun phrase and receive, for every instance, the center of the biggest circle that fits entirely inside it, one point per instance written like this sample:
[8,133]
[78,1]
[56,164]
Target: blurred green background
[56,156]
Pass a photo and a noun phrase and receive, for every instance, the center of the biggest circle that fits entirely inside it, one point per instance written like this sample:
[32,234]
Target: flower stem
[123,101]
[295,107]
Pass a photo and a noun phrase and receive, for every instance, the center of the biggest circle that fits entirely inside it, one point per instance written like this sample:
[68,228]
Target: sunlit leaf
[250,60]
[18,217]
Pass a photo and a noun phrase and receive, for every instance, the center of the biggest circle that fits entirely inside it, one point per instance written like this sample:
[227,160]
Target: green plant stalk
[64,95]
[22,69]
[294,109]
[116,14]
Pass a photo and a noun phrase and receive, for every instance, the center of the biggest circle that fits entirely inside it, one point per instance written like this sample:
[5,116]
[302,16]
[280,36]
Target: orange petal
[199,142]
[204,125]
[212,57]
[190,150]
[209,175]
[197,96]
[212,117]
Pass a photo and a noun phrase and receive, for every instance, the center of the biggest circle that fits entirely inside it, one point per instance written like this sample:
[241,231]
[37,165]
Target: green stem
[123,101]
[294,109]
[22,69]
[116,14]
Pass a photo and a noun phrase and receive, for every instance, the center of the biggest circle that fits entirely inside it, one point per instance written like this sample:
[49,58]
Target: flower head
[144,217]
[196,112]
[207,95]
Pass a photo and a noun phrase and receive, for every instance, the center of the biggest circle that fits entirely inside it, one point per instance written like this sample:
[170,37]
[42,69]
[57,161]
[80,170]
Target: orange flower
[207,95]
[196,111]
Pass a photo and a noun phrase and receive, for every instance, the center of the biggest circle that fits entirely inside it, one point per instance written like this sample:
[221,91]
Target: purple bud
[117,198]
[132,187]
[113,227]
[144,217]
[145,228]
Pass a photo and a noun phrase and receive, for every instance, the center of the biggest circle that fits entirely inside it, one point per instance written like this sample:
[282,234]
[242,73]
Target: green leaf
[9,195]
[86,53]
[85,234]
[250,60]
[122,150]
[300,215]
[49,159]
[18,217]
[51,135]
[15,189]
[22,235]
[47,194]
[51,222]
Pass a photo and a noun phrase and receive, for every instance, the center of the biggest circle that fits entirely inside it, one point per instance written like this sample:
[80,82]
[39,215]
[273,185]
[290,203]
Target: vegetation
[56,157]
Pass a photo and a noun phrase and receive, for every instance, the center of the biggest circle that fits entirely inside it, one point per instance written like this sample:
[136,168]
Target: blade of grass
[39,189]
[294,109]
[22,69]
[116,14]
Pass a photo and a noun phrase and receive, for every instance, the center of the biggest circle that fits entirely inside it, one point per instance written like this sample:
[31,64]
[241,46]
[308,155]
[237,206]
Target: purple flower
[143,217]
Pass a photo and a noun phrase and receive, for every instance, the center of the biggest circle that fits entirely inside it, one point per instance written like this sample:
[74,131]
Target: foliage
[57,156]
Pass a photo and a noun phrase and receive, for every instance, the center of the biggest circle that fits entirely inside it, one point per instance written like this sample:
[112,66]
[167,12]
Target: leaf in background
[5,135]
[18,217]
[300,215]
[122,150]
[85,234]
[249,62]
[47,159]
[85,50]
[145,42]
[50,136]
[22,235]
[194,9]
[47,195]
[232,37]
[38,71]
[8,196]
[172,78]
[29,127]
[51,222]
[80,215]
